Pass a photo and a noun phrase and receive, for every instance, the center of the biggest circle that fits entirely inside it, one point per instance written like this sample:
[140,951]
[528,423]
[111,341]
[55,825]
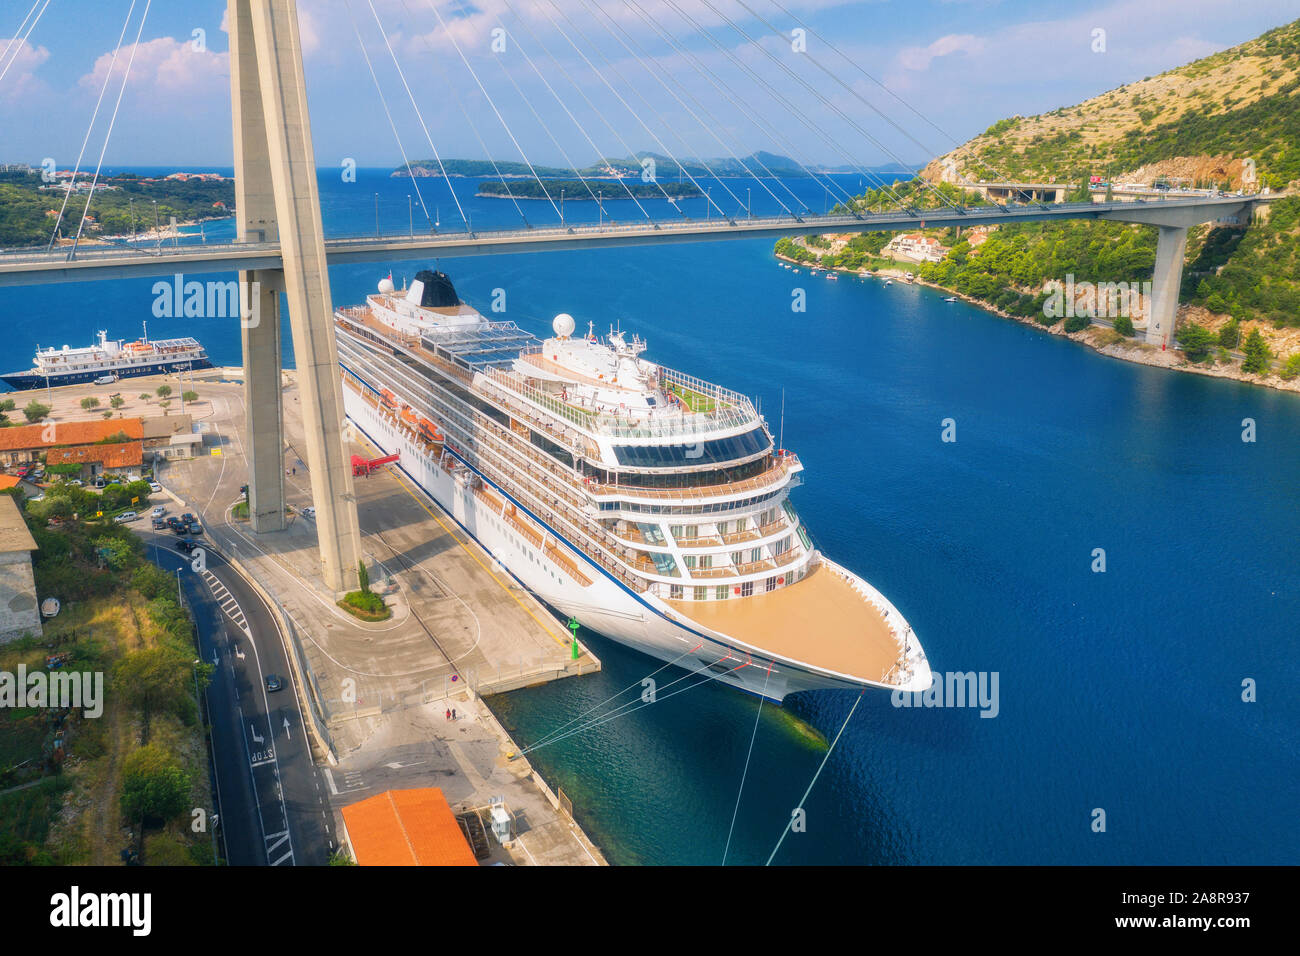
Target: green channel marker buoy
[573,626]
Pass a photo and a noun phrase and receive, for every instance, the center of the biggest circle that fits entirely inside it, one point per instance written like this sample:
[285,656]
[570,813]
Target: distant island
[759,163]
[123,205]
[575,189]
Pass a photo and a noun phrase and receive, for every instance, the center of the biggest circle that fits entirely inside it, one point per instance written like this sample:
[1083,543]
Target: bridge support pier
[1168,278]
[276,200]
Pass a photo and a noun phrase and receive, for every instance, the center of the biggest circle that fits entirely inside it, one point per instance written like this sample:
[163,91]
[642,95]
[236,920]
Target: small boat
[832,276]
[889,282]
[951,298]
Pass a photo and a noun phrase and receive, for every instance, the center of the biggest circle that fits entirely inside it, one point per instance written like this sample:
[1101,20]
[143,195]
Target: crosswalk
[226,601]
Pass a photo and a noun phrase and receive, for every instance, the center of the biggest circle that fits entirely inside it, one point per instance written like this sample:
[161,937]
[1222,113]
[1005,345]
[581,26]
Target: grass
[695,401]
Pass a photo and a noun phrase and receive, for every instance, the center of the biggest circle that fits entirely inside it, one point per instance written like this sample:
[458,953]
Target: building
[171,436]
[406,828]
[19,610]
[112,460]
[25,443]
[915,246]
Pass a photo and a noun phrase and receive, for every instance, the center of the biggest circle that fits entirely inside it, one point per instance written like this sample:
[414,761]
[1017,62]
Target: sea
[1096,542]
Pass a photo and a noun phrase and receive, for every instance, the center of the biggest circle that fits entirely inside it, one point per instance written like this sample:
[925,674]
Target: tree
[189,396]
[164,405]
[35,411]
[1124,326]
[89,403]
[1196,341]
[1257,354]
[1291,368]
[144,397]
[1230,335]
[163,391]
[154,785]
[363,577]
[8,405]
[108,413]
[117,401]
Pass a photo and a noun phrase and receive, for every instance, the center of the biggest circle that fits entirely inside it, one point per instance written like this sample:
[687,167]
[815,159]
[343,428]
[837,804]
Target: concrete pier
[1166,282]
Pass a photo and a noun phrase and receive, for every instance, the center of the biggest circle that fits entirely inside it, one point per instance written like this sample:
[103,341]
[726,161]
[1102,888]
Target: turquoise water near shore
[1120,691]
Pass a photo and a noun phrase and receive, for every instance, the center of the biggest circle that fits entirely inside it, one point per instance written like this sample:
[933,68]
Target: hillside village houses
[913,245]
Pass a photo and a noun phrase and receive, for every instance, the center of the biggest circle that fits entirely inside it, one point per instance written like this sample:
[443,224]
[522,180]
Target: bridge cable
[834,49]
[644,60]
[17,33]
[90,127]
[793,110]
[813,782]
[728,95]
[108,135]
[658,116]
[418,114]
[473,127]
[825,101]
[492,103]
[680,168]
[745,773]
[599,115]
[387,112]
[537,116]
[609,86]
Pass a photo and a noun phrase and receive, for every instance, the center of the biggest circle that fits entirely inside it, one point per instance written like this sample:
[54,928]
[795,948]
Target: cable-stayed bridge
[281,248]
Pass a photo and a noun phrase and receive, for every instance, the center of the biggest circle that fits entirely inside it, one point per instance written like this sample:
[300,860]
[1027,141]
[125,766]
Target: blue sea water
[1119,691]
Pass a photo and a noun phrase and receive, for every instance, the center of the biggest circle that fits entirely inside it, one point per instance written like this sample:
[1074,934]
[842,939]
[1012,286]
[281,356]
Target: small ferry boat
[951,298]
[107,361]
[832,276]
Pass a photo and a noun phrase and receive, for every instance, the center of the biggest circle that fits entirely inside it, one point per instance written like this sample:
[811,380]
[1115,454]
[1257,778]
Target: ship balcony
[756,533]
[783,465]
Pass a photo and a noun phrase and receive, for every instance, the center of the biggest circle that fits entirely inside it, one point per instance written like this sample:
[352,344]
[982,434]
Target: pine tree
[1257,353]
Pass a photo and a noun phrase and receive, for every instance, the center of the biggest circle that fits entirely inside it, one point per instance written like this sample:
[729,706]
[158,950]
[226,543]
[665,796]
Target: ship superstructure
[649,504]
[115,358]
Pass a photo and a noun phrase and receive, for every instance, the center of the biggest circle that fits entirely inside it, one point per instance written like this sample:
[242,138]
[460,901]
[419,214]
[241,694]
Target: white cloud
[22,62]
[920,57]
[168,68]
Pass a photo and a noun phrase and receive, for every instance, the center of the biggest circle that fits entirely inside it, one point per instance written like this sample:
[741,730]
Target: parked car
[74,481]
[195,528]
[126,516]
[155,487]
[106,380]
[274,683]
[185,544]
[308,512]
[159,511]
[159,524]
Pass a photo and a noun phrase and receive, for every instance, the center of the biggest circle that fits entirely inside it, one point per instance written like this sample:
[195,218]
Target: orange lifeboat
[430,432]
[409,417]
[388,398]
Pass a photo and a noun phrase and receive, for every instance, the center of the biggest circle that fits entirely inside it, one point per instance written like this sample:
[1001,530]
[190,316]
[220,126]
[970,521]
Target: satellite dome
[386,285]
[563,325]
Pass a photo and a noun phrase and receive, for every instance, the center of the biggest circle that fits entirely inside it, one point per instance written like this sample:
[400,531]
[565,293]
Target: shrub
[1124,326]
[154,785]
[35,411]
[1291,368]
[1077,323]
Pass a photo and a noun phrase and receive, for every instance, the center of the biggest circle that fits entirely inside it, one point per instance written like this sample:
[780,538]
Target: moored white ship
[650,505]
[110,359]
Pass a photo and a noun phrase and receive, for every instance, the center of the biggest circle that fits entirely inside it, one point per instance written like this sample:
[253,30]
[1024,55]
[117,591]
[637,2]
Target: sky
[560,82]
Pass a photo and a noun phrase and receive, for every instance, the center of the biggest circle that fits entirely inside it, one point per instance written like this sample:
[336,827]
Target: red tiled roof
[121,455]
[407,828]
[24,437]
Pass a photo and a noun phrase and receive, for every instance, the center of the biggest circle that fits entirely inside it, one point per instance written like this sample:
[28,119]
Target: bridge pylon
[276,200]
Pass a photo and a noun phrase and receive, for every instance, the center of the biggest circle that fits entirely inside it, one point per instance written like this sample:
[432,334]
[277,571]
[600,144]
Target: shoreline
[1095,337]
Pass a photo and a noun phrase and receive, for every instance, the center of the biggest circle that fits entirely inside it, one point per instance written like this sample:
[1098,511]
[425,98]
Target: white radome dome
[386,285]
[563,325]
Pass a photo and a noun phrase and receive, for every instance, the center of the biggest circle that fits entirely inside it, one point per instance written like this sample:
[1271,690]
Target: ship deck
[820,621]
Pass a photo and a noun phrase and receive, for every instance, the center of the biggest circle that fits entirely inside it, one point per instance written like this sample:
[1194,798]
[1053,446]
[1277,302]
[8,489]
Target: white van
[126,516]
[106,380]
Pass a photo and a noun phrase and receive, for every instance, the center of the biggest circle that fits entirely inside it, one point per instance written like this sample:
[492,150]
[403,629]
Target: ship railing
[782,465]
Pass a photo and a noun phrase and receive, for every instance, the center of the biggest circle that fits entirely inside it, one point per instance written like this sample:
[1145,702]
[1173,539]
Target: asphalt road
[273,803]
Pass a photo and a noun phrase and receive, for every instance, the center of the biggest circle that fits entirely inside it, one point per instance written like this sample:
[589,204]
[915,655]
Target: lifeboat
[409,417]
[429,432]
[388,398]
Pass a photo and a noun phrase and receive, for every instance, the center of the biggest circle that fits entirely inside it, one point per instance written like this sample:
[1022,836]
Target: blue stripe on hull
[23,381]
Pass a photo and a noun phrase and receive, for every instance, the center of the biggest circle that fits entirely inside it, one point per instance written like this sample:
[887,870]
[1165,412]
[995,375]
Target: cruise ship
[107,361]
[650,505]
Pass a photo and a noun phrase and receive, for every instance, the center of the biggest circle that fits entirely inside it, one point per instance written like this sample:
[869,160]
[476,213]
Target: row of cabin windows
[722,592]
[705,561]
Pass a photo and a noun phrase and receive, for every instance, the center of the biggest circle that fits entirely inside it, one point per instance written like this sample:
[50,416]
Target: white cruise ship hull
[605,605]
